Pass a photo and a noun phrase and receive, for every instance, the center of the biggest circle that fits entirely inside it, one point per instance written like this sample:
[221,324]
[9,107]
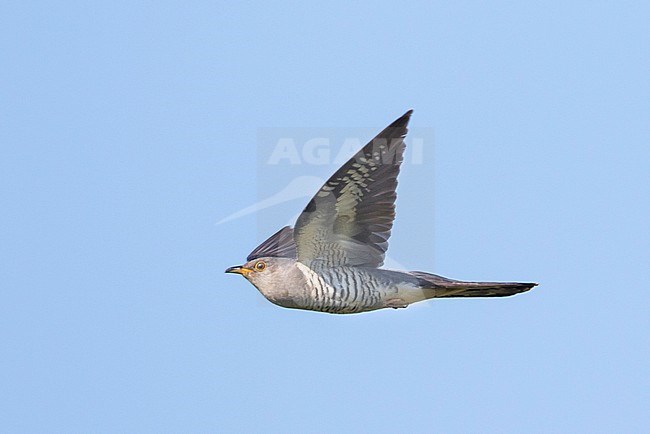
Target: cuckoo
[331,260]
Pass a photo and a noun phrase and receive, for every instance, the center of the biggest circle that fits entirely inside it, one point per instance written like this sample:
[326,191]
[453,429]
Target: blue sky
[129,130]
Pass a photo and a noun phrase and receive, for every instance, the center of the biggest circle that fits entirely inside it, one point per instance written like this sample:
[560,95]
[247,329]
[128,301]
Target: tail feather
[444,287]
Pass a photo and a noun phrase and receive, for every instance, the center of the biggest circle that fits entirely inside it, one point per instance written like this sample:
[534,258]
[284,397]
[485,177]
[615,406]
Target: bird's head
[264,272]
[271,264]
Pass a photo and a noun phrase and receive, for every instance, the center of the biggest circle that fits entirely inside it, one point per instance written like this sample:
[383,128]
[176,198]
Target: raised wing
[279,245]
[348,222]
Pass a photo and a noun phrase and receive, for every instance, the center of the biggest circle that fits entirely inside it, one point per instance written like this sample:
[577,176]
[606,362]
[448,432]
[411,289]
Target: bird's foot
[396,303]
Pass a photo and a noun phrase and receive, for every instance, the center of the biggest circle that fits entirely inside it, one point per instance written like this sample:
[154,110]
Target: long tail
[443,287]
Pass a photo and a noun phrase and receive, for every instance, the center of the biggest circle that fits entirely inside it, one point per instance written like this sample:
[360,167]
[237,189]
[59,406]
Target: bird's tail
[443,287]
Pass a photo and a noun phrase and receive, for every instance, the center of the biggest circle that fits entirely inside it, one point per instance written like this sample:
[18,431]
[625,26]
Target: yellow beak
[238,270]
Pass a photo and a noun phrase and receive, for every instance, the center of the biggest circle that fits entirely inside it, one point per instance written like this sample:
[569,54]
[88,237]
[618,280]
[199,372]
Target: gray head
[269,275]
[271,266]
[262,270]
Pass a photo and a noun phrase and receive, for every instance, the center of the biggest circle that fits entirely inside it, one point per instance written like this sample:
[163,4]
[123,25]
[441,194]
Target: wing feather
[278,245]
[349,220]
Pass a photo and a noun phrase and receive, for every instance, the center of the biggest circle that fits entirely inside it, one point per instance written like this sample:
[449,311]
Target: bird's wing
[279,245]
[348,222]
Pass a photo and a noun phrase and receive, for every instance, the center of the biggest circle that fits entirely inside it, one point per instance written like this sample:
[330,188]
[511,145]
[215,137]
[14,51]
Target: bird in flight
[330,260]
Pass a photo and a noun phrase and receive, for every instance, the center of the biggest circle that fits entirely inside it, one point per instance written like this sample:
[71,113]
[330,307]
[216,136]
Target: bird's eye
[260,266]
